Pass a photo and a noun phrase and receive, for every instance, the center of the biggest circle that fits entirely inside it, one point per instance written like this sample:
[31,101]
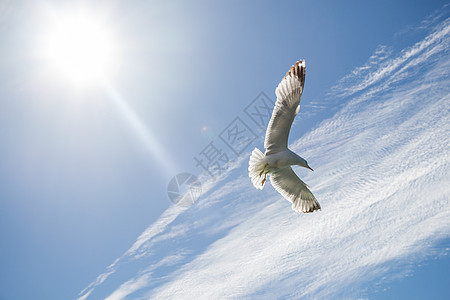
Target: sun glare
[79,48]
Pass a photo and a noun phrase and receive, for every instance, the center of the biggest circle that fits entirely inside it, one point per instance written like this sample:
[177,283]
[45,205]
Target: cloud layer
[381,165]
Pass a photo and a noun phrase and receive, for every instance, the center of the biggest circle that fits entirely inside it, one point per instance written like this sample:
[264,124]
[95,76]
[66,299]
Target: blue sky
[84,169]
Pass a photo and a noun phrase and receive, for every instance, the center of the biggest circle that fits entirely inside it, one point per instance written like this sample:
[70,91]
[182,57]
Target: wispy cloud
[142,279]
[382,68]
[381,164]
[144,242]
[377,166]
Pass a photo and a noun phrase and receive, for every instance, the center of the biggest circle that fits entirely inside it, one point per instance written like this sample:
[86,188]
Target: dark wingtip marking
[298,71]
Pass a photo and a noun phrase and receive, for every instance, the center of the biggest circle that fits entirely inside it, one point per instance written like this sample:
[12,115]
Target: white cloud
[381,169]
[383,190]
[380,67]
[129,287]
[147,238]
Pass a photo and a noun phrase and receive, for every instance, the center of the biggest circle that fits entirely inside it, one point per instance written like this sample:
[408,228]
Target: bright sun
[78,47]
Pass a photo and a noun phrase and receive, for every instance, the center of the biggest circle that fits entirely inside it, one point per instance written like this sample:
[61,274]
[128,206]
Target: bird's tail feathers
[256,167]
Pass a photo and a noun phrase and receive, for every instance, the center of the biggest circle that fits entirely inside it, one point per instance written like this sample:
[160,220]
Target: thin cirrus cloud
[392,69]
[152,235]
[383,162]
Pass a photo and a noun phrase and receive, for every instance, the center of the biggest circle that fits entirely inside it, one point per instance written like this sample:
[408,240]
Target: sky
[92,135]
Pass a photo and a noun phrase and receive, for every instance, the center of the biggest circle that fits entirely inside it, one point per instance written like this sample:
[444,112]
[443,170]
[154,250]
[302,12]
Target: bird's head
[303,163]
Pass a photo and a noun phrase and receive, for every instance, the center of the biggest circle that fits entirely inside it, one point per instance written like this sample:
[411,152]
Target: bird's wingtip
[297,70]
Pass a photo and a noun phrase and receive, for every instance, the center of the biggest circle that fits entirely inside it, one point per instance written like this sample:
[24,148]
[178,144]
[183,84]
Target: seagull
[278,159]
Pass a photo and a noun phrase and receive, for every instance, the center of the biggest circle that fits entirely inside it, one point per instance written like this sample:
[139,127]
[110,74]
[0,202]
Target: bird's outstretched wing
[288,92]
[287,183]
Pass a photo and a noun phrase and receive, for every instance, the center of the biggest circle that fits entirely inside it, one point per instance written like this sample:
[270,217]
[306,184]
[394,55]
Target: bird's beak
[310,168]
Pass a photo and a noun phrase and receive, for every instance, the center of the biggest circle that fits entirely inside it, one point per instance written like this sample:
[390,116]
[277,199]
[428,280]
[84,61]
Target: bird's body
[281,160]
[278,159]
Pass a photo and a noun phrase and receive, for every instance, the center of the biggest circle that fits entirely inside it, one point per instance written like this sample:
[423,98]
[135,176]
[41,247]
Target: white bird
[278,159]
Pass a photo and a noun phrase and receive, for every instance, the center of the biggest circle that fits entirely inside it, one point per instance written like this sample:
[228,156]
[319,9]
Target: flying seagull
[278,159]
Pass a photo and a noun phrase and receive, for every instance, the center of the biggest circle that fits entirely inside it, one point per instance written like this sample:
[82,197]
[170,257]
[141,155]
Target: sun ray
[158,153]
